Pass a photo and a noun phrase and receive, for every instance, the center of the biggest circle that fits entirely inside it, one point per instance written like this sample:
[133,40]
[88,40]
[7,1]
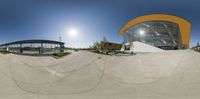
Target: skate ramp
[142,47]
[74,75]
[142,68]
[164,75]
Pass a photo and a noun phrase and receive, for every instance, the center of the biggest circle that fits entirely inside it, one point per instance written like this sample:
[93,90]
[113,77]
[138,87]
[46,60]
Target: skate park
[164,69]
[85,74]
[106,49]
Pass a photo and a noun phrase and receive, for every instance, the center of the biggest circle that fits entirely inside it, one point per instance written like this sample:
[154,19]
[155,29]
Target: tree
[95,45]
[104,39]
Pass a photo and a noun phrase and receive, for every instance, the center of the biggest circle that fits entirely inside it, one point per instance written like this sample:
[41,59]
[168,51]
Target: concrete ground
[86,75]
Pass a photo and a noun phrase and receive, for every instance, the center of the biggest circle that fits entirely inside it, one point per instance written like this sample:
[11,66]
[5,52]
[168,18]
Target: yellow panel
[184,26]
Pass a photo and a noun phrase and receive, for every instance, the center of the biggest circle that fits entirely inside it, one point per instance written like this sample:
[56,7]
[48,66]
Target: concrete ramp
[140,47]
[143,68]
[86,75]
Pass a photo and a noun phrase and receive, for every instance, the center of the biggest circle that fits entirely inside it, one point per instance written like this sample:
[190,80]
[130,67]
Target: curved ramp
[164,75]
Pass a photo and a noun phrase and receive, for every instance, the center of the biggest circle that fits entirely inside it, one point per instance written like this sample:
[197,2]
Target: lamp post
[60,41]
[60,36]
[61,45]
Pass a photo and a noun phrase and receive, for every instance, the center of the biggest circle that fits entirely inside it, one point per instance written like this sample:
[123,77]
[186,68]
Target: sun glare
[72,32]
[141,32]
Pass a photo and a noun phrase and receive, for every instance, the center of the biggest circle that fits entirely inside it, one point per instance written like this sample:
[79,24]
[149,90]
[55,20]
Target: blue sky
[94,19]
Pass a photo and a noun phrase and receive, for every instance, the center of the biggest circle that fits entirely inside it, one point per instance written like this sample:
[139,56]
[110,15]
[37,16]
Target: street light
[60,36]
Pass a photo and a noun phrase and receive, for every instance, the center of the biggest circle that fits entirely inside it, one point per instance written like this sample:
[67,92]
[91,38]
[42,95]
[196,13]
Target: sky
[90,19]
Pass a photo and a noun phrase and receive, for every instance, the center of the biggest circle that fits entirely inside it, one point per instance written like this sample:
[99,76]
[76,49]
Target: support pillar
[7,48]
[62,48]
[21,49]
[41,49]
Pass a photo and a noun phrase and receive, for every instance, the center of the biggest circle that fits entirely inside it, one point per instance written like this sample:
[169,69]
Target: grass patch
[76,50]
[59,55]
[4,52]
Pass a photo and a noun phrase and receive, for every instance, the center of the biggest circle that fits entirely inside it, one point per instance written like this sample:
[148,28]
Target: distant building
[197,47]
[160,30]
[106,45]
[110,46]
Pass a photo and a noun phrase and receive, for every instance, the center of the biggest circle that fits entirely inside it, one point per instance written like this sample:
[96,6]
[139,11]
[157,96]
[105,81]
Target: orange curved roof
[184,25]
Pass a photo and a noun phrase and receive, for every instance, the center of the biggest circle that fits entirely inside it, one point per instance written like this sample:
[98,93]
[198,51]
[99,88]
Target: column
[21,49]
[41,49]
[62,48]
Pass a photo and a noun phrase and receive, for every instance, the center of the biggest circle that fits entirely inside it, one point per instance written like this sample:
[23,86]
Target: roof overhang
[33,41]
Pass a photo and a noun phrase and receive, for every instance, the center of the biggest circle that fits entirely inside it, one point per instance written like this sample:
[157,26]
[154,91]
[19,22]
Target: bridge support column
[62,48]
[7,48]
[20,49]
[41,49]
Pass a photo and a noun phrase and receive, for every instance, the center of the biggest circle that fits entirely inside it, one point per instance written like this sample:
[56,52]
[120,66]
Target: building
[197,47]
[110,46]
[160,30]
[34,47]
[105,46]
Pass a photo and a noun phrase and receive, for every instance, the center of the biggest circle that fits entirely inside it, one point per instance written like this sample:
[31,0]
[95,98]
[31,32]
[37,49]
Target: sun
[72,32]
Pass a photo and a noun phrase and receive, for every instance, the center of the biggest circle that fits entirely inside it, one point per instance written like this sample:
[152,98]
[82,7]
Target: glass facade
[156,33]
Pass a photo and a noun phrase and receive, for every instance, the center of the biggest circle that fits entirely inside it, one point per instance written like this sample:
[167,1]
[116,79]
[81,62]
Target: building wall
[184,26]
[157,33]
[110,46]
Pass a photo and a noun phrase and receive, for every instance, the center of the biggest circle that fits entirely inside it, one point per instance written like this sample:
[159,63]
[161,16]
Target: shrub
[62,54]
[4,52]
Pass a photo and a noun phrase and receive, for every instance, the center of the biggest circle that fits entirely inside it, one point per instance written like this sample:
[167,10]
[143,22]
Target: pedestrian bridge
[34,46]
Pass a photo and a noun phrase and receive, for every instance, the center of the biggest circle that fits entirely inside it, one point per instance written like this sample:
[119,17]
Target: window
[157,33]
